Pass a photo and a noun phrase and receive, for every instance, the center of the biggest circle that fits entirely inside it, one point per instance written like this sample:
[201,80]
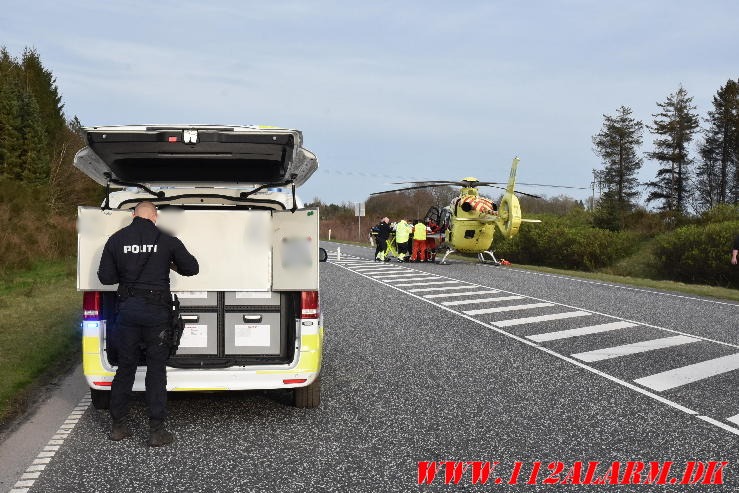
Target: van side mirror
[322,254]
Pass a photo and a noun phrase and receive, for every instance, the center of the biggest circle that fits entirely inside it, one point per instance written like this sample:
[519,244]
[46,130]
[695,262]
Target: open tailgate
[201,155]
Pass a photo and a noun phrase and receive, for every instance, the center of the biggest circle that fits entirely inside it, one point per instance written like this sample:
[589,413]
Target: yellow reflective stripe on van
[91,344]
[93,367]
[310,361]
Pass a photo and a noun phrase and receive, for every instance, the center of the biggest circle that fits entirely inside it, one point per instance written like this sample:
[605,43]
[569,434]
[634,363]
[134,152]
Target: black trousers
[140,323]
[403,248]
[381,245]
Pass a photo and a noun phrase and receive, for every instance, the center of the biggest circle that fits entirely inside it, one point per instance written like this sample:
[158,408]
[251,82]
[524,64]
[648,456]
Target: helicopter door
[445,218]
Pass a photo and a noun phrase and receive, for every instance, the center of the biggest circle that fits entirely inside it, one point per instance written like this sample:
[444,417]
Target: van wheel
[309,396]
[322,255]
[100,398]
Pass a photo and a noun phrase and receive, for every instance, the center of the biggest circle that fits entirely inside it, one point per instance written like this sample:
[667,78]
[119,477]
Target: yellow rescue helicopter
[468,223]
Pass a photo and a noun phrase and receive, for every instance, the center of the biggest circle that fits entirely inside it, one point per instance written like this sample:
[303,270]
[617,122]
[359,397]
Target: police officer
[383,234]
[138,258]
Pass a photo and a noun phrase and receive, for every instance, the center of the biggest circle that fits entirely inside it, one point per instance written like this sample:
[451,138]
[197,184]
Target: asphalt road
[462,362]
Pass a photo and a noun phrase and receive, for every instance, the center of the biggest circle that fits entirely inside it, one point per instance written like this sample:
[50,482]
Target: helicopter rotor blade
[407,188]
[482,184]
[439,183]
[518,192]
[551,186]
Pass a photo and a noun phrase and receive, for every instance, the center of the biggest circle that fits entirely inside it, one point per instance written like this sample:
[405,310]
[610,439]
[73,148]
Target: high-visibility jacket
[402,232]
[419,232]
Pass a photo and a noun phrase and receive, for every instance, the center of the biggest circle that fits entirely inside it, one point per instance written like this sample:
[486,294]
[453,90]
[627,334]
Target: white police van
[252,314]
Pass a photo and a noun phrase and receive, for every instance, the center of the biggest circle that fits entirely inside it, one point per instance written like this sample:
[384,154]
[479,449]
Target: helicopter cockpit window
[470,233]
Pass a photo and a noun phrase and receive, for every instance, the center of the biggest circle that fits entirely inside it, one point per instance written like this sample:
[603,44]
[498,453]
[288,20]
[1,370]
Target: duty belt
[151,294]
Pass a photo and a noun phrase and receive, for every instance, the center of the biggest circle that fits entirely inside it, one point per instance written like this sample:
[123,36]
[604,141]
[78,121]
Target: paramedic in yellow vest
[402,235]
[419,241]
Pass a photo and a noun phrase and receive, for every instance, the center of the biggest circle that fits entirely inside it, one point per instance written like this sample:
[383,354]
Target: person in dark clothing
[383,233]
[138,258]
[735,250]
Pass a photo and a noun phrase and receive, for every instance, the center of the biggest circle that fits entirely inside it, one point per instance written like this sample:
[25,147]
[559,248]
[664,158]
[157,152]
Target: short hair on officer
[145,209]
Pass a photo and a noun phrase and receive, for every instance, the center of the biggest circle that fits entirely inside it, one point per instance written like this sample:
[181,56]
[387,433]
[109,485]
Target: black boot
[158,436]
[119,430]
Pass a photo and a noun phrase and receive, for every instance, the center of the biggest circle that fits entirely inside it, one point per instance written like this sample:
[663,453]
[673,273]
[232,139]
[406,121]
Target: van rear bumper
[300,372]
[179,380]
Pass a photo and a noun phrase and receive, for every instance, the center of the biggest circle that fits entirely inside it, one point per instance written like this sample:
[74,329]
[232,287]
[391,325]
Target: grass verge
[679,287]
[39,331]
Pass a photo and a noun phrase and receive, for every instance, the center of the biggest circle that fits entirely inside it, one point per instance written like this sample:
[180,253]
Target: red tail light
[309,304]
[91,305]
[289,381]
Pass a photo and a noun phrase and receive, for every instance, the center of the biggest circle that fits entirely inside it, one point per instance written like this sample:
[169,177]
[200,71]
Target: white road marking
[734,419]
[469,293]
[498,309]
[403,279]
[541,318]
[400,275]
[33,471]
[634,348]
[374,271]
[427,283]
[480,300]
[624,383]
[439,289]
[580,331]
[691,373]
[721,425]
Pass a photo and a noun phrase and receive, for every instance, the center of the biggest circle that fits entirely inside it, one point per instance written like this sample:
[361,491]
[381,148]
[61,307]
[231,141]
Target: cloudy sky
[388,91]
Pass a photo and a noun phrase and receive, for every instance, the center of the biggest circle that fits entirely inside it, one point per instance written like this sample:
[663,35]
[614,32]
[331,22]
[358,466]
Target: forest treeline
[695,193]
[39,187]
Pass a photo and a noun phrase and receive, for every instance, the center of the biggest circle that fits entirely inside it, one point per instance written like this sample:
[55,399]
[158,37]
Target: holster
[176,326]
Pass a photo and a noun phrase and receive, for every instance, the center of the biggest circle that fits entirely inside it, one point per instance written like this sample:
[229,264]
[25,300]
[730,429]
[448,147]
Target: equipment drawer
[253,333]
[197,298]
[252,298]
[200,335]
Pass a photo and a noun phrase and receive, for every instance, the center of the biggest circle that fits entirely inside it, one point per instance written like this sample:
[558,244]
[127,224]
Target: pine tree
[34,154]
[617,144]
[719,150]
[40,82]
[675,126]
[10,138]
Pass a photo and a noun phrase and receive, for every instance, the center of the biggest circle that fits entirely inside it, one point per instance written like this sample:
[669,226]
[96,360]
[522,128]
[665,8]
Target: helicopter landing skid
[443,260]
[483,260]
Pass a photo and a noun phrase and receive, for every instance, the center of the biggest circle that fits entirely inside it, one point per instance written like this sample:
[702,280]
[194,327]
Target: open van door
[295,250]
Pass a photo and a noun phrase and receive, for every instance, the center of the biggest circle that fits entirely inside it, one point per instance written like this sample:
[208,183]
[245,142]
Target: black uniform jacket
[383,231]
[125,253]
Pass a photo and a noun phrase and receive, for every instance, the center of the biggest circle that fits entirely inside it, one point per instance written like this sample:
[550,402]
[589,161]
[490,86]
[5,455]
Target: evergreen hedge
[555,243]
[699,254]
